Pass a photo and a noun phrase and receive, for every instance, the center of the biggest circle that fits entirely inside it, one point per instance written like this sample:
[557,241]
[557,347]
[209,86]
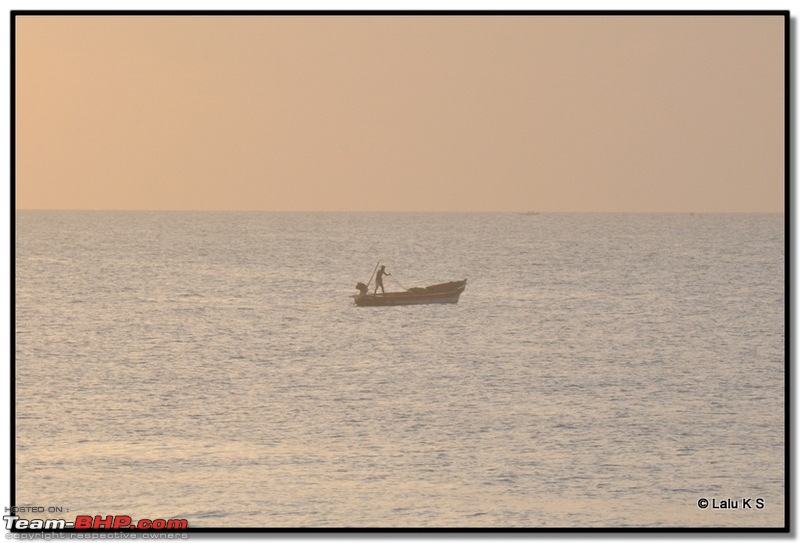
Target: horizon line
[519,212]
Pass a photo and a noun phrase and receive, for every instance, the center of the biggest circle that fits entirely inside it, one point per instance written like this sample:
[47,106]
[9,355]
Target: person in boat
[379,279]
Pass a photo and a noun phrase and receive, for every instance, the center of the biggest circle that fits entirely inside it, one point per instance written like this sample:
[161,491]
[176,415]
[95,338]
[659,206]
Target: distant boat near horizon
[442,293]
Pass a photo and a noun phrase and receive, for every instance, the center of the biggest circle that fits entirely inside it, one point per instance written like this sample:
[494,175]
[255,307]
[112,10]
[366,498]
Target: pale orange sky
[401,113]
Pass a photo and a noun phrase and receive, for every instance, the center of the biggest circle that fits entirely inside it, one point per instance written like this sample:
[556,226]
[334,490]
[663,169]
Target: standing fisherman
[379,279]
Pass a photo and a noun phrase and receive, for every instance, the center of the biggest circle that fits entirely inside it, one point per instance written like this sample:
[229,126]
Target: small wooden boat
[443,293]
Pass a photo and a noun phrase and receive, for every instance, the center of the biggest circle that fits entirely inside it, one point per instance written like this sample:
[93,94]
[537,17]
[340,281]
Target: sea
[599,371]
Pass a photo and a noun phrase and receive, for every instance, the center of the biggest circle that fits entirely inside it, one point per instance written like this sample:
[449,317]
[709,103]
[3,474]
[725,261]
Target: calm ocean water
[599,371]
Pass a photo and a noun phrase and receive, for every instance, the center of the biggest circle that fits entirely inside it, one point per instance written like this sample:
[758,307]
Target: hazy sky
[390,113]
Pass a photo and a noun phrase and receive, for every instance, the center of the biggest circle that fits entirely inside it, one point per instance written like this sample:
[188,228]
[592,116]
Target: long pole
[373,272]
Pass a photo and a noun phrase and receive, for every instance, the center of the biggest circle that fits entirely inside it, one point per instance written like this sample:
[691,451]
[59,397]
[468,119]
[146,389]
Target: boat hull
[445,293]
